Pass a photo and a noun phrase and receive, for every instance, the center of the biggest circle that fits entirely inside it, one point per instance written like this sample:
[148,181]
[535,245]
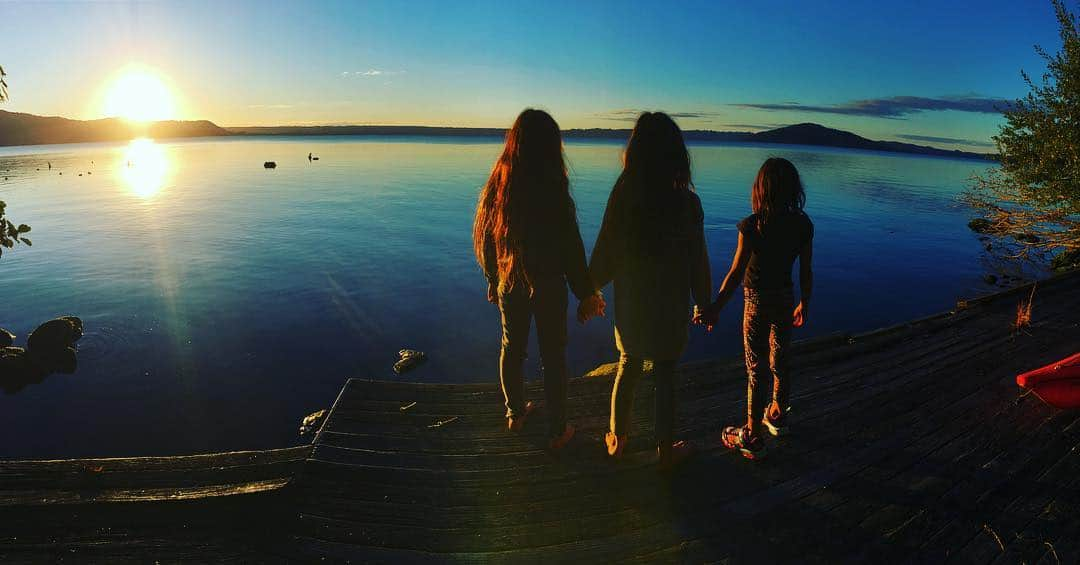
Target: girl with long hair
[526,238]
[770,240]
[652,244]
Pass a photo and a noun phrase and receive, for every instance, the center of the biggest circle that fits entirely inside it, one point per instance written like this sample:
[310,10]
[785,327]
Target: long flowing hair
[527,191]
[777,189]
[649,193]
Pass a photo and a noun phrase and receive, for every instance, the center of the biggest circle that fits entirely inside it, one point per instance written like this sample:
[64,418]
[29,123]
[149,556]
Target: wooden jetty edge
[911,443]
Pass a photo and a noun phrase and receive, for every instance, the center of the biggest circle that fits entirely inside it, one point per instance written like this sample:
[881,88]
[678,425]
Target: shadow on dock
[909,444]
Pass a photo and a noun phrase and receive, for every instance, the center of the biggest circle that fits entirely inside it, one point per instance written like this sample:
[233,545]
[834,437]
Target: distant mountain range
[28,129]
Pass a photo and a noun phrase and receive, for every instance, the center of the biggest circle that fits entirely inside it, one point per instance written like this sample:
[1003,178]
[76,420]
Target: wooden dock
[911,443]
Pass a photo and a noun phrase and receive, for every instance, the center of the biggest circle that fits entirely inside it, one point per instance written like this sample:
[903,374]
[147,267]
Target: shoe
[516,424]
[739,438]
[674,454]
[560,441]
[615,444]
[774,420]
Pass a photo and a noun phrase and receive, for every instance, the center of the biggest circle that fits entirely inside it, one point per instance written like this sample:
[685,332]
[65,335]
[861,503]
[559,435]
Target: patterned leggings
[766,338]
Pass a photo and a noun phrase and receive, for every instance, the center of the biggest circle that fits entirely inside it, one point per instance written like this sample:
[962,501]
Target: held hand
[599,306]
[802,312]
[492,293]
[591,307]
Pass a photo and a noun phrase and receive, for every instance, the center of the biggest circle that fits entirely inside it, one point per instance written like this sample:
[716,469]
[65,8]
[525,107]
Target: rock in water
[12,361]
[65,361]
[55,335]
[6,338]
[269,165]
[51,347]
[16,370]
[409,359]
[312,421]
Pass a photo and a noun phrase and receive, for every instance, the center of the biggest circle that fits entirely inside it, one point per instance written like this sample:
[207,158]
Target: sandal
[775,419]
[739,438]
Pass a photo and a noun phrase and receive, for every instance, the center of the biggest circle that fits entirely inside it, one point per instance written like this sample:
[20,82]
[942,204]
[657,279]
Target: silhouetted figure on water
[526,238]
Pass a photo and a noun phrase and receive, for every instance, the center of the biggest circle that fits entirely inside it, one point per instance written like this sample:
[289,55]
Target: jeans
[622,396]
[767,318]
[547,303]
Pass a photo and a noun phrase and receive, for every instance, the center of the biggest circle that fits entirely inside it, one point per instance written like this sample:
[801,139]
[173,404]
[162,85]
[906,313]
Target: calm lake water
[223,302]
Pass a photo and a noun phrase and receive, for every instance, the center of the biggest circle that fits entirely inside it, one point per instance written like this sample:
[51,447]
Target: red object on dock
[1057,384]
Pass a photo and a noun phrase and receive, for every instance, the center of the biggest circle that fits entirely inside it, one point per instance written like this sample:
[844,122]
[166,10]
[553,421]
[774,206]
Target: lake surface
[223,302]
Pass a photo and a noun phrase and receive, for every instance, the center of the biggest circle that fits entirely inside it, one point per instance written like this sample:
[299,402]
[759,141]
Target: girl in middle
[652,244]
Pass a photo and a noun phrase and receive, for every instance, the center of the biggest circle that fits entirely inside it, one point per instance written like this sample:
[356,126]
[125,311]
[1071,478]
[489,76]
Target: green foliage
[10,234]
[1036,188]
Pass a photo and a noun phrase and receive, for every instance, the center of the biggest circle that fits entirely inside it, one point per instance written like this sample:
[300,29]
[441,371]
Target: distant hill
[28,129]
[799,134]
[816,134]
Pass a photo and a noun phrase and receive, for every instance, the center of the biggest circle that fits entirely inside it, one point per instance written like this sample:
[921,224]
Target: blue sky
[914,71]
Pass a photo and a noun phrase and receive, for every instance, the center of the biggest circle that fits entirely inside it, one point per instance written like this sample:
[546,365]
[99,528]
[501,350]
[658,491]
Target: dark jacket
[552,249]
[656,279]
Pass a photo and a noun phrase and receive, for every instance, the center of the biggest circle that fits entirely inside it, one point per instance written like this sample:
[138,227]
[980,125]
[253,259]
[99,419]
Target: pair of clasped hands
[592,307]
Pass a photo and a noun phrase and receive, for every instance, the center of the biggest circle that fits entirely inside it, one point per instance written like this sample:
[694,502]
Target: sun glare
[144,167]
[139,96]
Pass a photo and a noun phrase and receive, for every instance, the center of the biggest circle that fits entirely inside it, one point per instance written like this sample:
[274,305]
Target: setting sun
[139,96]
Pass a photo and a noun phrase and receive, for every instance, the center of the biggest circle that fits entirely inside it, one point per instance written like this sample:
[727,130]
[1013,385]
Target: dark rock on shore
[6,338]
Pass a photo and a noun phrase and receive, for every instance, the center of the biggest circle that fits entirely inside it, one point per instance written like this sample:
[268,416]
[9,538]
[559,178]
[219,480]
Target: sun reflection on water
[145,167]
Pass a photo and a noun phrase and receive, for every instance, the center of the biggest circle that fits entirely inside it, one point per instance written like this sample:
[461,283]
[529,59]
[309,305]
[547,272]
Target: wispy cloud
[945,140]
[895,107]
[631,114]
[370,73]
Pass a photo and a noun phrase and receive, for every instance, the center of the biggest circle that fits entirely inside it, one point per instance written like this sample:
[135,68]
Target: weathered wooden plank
[86,481]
